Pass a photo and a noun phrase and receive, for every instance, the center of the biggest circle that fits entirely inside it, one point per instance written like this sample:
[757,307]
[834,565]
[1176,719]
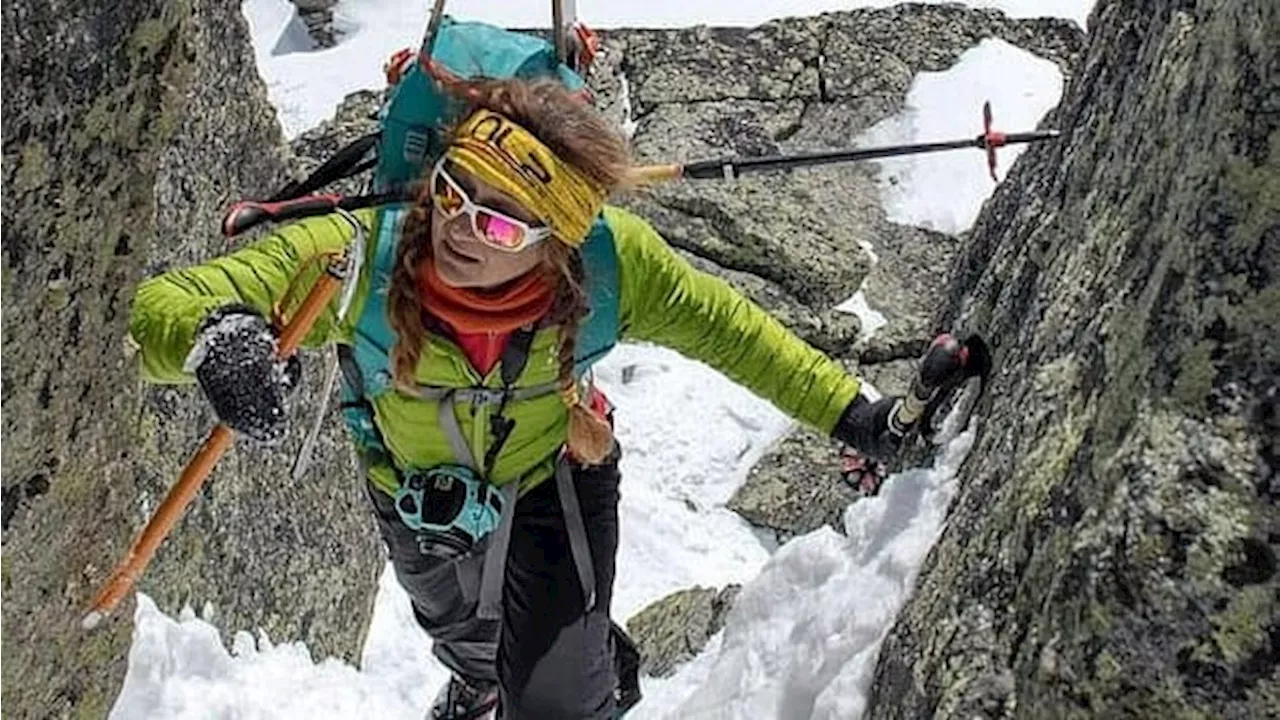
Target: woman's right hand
[234,360]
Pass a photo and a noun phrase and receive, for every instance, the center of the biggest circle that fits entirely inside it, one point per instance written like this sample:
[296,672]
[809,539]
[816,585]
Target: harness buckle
[483,395]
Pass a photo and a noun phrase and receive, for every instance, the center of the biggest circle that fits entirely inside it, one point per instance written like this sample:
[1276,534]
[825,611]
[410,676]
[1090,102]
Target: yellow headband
[504,155]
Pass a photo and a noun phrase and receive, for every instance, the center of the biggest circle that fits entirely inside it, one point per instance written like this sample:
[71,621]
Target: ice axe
[162,521]
[729,168]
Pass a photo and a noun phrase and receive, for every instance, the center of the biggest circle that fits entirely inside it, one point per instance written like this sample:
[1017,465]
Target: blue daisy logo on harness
[450,503]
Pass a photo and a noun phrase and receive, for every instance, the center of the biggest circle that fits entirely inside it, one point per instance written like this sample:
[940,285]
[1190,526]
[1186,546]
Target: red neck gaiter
[482,320]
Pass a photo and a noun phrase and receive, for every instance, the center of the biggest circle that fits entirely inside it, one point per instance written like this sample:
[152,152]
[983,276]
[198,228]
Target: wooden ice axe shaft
[175,503]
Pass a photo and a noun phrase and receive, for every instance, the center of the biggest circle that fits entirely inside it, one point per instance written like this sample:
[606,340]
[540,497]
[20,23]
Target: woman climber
[488,455]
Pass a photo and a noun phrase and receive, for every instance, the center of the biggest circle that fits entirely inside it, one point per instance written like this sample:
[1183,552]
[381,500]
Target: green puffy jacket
[662,299]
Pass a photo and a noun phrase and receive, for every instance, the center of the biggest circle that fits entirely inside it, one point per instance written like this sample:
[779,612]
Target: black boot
[464,699]
[626,661]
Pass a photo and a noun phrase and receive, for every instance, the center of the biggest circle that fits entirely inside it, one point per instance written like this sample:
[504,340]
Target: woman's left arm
[665,300]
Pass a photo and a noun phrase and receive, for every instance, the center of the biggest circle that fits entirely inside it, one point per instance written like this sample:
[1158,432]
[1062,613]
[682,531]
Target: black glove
[234,360]
[869,427]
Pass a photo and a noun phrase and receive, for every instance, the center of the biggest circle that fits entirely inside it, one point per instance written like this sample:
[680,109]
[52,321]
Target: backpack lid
[419,111]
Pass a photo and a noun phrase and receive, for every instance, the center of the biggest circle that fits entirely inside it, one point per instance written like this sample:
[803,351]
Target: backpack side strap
[599,333]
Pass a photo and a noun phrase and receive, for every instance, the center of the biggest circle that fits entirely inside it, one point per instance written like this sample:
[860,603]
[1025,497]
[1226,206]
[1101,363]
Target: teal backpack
[418,108]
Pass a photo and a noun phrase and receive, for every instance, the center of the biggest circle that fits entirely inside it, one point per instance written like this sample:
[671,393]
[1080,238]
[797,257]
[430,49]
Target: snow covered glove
[870,428]
[234,360]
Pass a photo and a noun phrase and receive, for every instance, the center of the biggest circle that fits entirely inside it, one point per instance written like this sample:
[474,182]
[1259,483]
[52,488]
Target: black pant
[551,660]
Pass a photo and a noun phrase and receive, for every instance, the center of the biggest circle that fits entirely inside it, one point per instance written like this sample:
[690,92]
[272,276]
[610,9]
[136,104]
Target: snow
[945,191]
[306,84]
[629,123]
[869,319]
[803,638]
[180,669]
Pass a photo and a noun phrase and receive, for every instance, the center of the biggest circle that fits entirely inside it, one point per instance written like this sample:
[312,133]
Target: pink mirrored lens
[499,231]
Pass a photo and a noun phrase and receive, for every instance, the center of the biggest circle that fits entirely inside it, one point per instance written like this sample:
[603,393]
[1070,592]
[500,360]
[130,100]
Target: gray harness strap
[449,423]
[495,561]
[577,532]
[483,395]
[494,571]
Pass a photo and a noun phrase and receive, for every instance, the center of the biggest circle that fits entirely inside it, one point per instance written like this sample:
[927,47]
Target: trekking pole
[564,13]
[249,213]
[433,27]
[162,521]
[731,167]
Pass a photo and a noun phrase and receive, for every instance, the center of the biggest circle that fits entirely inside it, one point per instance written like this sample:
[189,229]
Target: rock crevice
[1111,550]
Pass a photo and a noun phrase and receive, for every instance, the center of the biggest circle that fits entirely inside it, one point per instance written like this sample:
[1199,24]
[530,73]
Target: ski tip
[91,620]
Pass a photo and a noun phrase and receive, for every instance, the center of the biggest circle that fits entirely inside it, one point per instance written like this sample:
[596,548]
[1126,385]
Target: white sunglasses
[492,227]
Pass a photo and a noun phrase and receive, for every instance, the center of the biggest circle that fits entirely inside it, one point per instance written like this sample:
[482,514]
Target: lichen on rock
[1112,548]
[130,129]
[671,631]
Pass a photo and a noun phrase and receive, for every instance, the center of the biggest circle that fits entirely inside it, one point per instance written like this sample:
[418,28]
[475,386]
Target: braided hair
[581,137]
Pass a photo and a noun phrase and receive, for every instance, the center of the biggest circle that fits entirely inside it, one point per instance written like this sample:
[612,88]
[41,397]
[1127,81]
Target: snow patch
[944,191]
[870,319]
[629,123]
[803,637]
[179,669]
[689,436]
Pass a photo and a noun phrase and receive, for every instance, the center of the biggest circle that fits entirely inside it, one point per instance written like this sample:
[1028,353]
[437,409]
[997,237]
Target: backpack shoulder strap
[366,362]
[599,333]
[373,335]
